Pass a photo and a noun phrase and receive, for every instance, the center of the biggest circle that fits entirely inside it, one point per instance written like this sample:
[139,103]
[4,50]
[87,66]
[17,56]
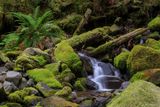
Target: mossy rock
[8,104]
[66,75]
[32,100]
[46,76]
[143,58]
[80,84]
[120,61]
[53,67]
[45,90]
[32,58]
[151,75]
[154,23]
[3,58]
[18,96]
[65,92]
[153,44]
[65,53]
[55,101]
[138,94]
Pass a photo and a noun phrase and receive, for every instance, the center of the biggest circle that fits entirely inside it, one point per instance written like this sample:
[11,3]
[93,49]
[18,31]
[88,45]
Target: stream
[106,76]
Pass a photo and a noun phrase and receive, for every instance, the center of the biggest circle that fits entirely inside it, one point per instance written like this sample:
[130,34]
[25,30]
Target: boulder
[45,90]
[138,94]
[151,75]
[57,102]
[65,53]
[46,76]
[65,92]
[143,58]
[32,58]
[80,84]
[9,87]
[32,100]
[18,96]
[120,61]
[13,76]
[23,83]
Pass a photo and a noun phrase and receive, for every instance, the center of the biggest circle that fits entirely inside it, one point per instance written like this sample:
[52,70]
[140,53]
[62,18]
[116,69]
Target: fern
[34,27]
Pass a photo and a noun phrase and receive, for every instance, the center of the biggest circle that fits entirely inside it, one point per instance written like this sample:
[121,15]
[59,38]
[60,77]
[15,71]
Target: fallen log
[83,21]
[109,45]
[89,38]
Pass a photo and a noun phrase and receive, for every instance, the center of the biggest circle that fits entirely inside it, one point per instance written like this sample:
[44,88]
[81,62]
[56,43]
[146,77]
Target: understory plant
[35,27]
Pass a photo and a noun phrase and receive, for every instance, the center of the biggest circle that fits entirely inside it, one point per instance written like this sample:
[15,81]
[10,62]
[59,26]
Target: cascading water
[103,74]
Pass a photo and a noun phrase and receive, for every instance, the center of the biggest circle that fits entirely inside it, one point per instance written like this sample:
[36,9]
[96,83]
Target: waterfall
[103,73]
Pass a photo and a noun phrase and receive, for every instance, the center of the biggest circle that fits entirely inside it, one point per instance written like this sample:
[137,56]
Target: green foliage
[155,23]
[34,27]
[10,41]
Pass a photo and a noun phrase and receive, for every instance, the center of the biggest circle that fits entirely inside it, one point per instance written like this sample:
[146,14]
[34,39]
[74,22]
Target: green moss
[153,43]
[65,92]
[151,75]
[44,75]
[120,61]
[32,58]
[155,23]
[54,67]
[45,90]
[70,22]
[3,58]
[138,76]
[66,76]
[82,38]
[138,94]
[32,99]
[80,84]
[19,95]
[65,53]
[142,58]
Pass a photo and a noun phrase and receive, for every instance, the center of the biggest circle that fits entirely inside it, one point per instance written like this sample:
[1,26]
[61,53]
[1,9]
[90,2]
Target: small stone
[23,83]
[2,78]
[14,77]
[9,87]
[3,70]
[30,82]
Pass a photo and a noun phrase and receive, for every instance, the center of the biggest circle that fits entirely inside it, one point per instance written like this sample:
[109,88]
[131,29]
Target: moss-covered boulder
[66,74]
[32,58]
[45,90]
[120,61]
[3,58]
[57,102]
[151,75]
[18,96]
[44,75]
[65,92]
[138,94]
[153,44]
[143,58]
[65,53]
[154,23]
[32,100]
[80,84]
[53,67]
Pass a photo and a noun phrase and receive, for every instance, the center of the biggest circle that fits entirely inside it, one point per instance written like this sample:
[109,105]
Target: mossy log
[116,42]
[89,38]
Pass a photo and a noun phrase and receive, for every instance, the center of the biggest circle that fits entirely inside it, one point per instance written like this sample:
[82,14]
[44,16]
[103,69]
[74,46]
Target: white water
[99,73]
